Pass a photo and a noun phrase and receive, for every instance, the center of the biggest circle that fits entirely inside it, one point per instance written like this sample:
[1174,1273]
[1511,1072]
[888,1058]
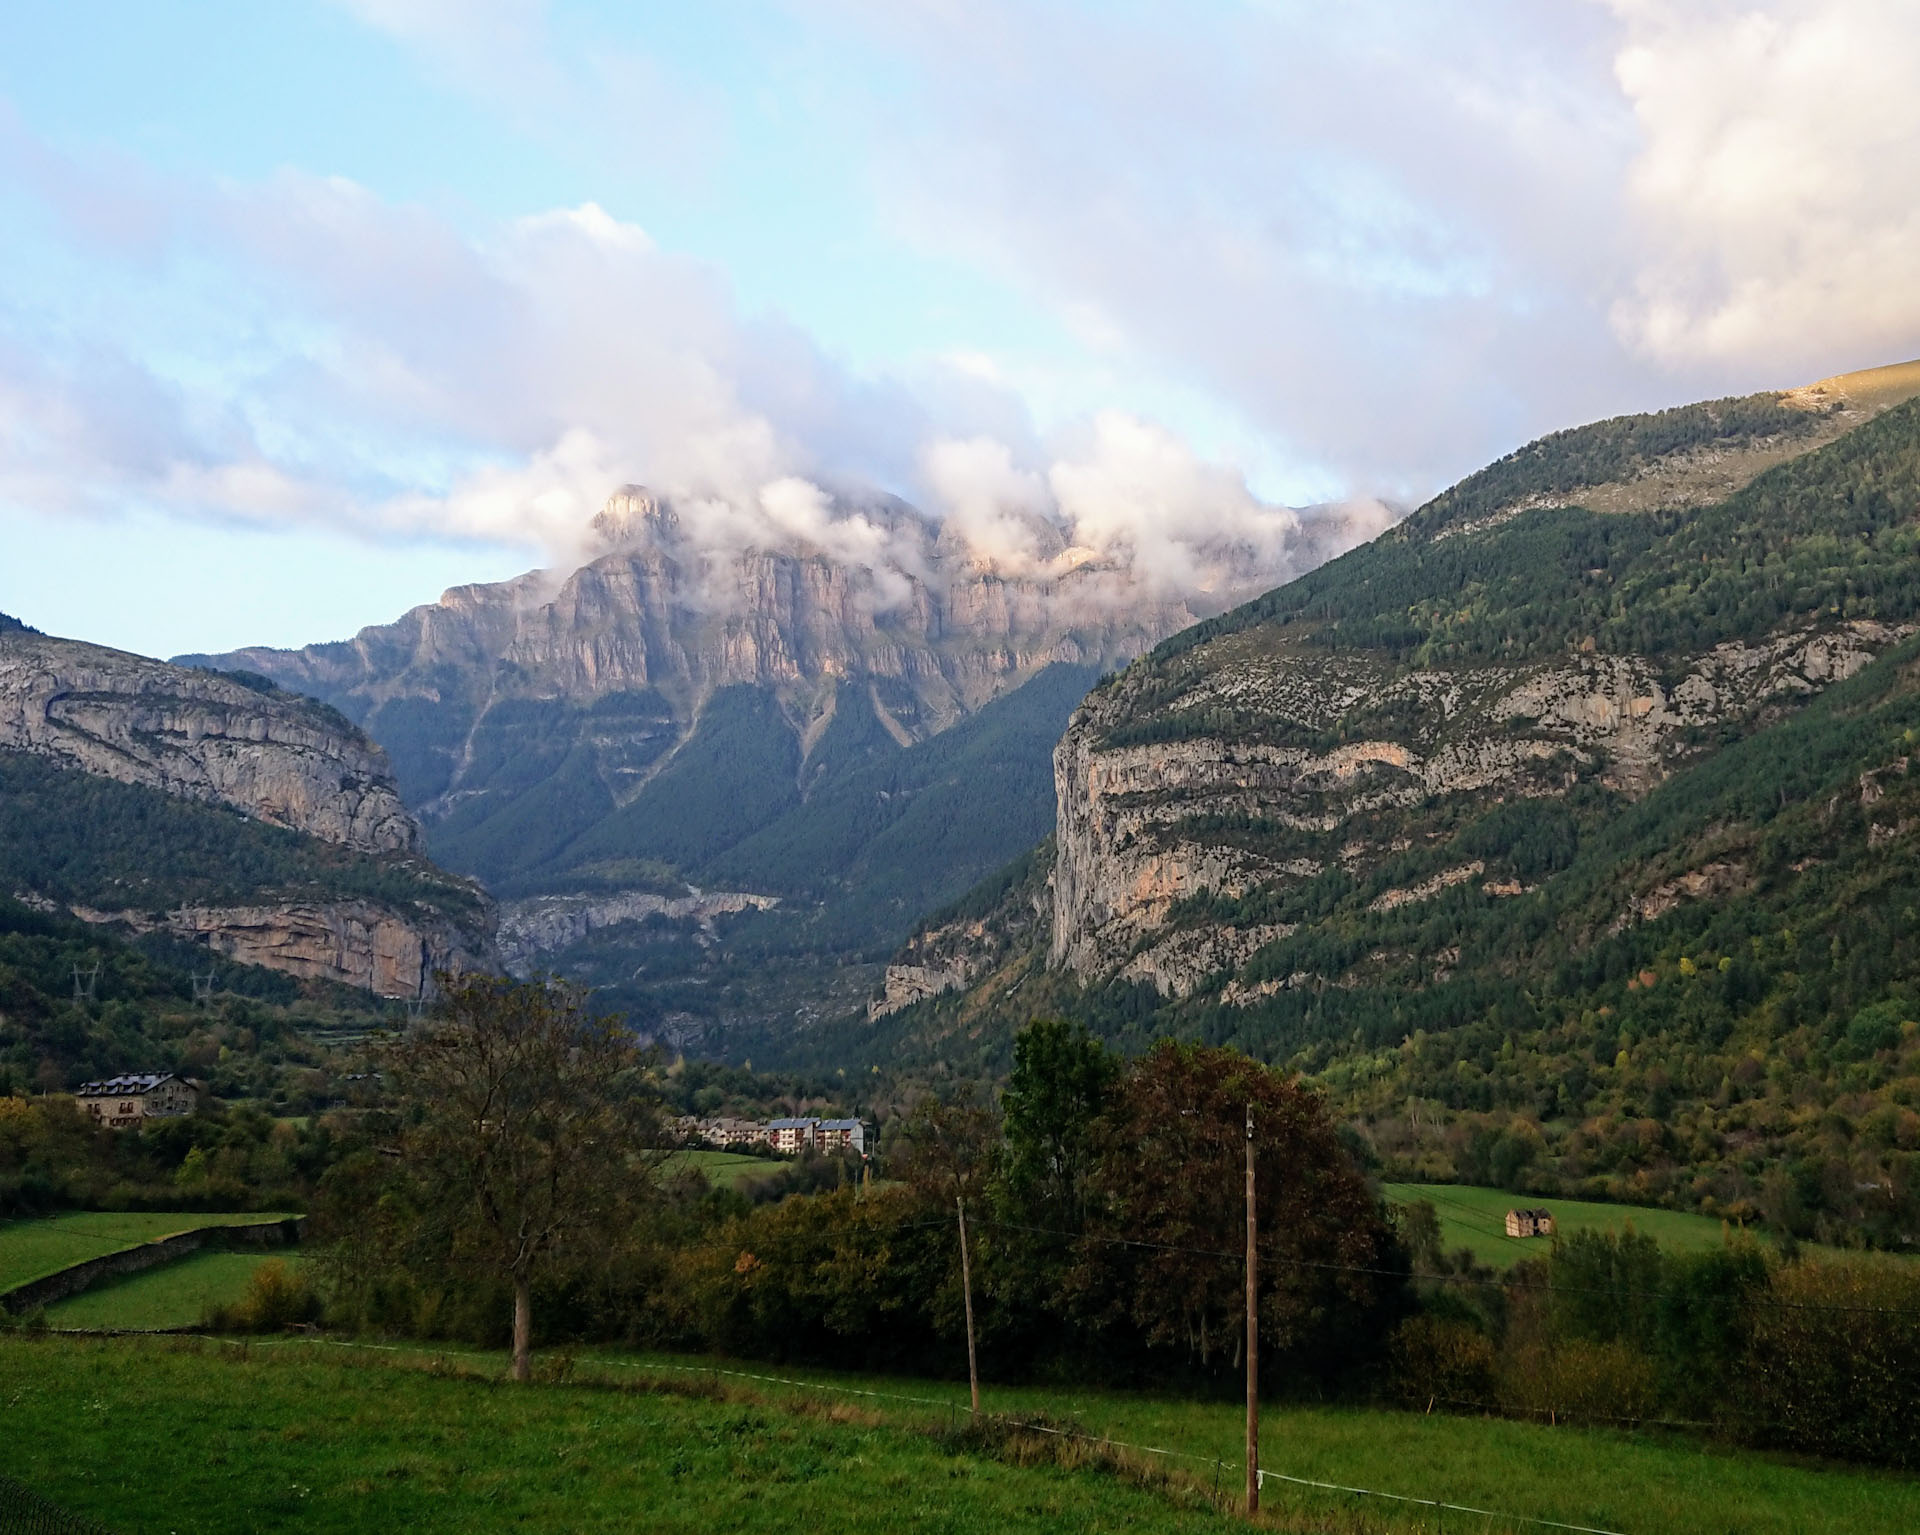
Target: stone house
[1530,1223]
[123,1101]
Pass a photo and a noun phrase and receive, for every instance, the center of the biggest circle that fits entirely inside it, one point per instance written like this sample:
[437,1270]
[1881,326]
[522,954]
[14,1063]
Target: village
[788,1137]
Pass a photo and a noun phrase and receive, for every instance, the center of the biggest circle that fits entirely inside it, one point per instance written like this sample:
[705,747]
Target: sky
[310,310]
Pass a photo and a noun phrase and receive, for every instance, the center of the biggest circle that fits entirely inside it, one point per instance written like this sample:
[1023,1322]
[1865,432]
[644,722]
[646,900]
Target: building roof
[128,1086]
[790,1124]
[839,1124]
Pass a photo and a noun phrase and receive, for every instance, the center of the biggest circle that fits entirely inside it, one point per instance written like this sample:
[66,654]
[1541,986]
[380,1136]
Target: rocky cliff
[1145,827]
[319,875]
[1540,630]
[277,757]
[923,640]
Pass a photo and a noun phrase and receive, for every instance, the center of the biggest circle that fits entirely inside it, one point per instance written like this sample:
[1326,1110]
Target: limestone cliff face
[1144,825]
[932,634]
[546,924]
[276,757]
[356,943]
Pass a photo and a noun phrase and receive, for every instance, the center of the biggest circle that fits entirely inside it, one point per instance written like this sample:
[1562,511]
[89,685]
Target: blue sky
[316,308]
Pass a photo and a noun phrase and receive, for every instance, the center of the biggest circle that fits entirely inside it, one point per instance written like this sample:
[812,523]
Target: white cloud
[1775,191]
[404,379]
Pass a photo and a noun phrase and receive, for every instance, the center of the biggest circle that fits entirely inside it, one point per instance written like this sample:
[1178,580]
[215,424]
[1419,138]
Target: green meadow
[32,1249]
[296,1434]
[1476,1218]
[178,1294]
[723,1169]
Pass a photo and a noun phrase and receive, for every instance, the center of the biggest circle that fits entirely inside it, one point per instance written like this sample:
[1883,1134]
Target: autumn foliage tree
[530,1137]
[1167,1214]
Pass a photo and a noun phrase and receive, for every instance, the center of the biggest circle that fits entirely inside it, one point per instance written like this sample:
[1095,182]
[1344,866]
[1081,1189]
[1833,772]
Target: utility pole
[966,1290]
[1253,1338]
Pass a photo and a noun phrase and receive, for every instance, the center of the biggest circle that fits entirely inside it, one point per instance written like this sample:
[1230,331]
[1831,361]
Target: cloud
[405,379]
[1773,192]
[1400,240]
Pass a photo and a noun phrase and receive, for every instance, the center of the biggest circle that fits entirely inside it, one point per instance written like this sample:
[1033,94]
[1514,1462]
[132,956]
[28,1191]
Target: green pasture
[304,1434]
[1477,1218]
[1643,1483]
[32,1249]
[723,1169]
[178,1294]
[303,1437]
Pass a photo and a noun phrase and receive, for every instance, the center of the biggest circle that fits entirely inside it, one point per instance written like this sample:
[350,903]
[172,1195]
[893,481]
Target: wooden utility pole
[1253,1337]
[966,1290]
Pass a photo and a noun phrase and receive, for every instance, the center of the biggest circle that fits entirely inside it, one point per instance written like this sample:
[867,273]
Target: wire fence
[956,1413]
[24,1512]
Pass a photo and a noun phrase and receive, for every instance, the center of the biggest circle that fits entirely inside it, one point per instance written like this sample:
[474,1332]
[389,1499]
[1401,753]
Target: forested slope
[1568,848]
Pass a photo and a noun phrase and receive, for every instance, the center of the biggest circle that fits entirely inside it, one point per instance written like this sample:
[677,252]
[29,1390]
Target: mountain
[1565,832]
[721,776]
[218,810]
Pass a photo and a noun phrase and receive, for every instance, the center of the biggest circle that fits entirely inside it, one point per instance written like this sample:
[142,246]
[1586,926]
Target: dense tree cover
[84,840]
[1810,1353]
[1826,536]
[53,1157]
[870,1277]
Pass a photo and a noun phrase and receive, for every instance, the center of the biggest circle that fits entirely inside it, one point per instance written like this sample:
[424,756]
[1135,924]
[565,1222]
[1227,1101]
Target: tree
[1059,1084]
[531,1130]
[1169,1186]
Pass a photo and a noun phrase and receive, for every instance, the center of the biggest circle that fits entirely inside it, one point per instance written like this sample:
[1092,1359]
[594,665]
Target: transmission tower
[86,985]
[202,988]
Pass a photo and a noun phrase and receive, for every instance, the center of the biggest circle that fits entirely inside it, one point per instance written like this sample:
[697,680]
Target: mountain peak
[633,515]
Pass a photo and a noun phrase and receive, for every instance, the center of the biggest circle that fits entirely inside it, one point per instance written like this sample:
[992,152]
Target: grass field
[1476,1218]
[154,1439]
[33,1249]
[306,1435]
[723,1168]
[174,1295]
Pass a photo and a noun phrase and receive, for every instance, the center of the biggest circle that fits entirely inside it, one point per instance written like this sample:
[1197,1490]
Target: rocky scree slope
[219,810]
[1567,847]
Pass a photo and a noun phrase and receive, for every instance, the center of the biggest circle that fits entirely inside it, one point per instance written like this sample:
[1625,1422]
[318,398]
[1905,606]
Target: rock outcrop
[288,761]
[548,923]
[356,943]
[1143,827]
[274,756]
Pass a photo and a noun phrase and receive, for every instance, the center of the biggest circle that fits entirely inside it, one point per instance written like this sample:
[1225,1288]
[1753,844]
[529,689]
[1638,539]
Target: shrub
[278,1297]
[1834,1365]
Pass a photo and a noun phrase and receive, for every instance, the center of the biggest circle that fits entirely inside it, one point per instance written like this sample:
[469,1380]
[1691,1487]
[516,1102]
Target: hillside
[254,1036]
[216,810]
[1569,848]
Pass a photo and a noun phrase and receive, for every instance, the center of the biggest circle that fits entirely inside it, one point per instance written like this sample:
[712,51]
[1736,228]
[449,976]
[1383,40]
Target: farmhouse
[118,1102]
[1530,1223]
